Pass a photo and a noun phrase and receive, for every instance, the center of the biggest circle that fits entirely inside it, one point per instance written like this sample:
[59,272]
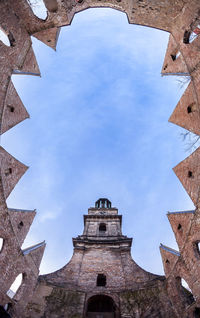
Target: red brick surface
[19,23]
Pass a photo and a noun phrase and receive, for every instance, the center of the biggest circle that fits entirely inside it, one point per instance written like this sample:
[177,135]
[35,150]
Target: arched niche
[102,227]
[101,304]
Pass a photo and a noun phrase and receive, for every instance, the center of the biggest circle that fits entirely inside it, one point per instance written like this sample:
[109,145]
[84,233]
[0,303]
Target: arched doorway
[101,306]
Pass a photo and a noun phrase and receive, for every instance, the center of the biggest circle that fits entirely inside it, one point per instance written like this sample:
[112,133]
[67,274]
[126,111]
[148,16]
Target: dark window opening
[9,306]
[186,37]
[11,108]
[179,227]
[3,312]
[197,312]
[8,171]
[20,225]
[190,174]
[101,303]
[190,108]
[173,57]
[11,39]
[101,280]
[190,36]
[102,227]
[167,261]
[196,246]
[165,67]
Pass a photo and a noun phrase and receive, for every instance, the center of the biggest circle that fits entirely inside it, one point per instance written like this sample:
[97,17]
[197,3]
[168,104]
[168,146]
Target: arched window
[38,7]
[1,243]
[185,284]
[191,108]
[101,280]
[8,171]
[185,290]
[189,36]
[11,108]
[175,56]
[15,286]
[102,227]
[4,38]
[190,174]
[179,227]
[20,225]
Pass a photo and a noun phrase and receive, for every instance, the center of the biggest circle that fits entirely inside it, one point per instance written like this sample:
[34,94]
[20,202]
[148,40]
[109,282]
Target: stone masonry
[102,265]
[181,18]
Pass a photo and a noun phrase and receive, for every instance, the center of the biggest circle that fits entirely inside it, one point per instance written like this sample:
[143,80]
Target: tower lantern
[103,203]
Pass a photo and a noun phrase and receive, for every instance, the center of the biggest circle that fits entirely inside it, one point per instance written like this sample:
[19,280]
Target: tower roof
[103,203]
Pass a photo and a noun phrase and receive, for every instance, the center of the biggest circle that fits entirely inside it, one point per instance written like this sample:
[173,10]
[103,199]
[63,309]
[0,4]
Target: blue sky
[99,128]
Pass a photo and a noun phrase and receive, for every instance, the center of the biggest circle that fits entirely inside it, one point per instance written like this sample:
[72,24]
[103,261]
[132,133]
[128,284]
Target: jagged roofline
[21,221]
[167,18]
[64,14]
[30,54]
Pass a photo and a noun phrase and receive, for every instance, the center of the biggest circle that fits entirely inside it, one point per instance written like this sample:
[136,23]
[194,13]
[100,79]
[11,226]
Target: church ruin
[102,279]
[103,289]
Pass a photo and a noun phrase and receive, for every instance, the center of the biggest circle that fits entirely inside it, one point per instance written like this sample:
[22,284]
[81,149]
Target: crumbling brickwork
[181,18]
[102,266]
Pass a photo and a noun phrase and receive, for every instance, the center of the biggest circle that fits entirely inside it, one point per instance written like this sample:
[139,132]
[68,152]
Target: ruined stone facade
[179,17]
[102,279]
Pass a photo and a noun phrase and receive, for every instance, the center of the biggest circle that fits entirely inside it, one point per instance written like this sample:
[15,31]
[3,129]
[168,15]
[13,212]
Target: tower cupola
[103,203]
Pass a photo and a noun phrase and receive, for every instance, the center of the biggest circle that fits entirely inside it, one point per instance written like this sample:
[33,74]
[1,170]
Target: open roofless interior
[94,268]
[110,137]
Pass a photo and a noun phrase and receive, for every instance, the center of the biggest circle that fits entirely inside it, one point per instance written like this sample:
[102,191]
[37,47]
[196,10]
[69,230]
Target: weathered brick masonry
[102,266]
[179,17]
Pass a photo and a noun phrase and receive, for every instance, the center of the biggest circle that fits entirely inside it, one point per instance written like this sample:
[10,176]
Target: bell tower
[102,226]
[102,280]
